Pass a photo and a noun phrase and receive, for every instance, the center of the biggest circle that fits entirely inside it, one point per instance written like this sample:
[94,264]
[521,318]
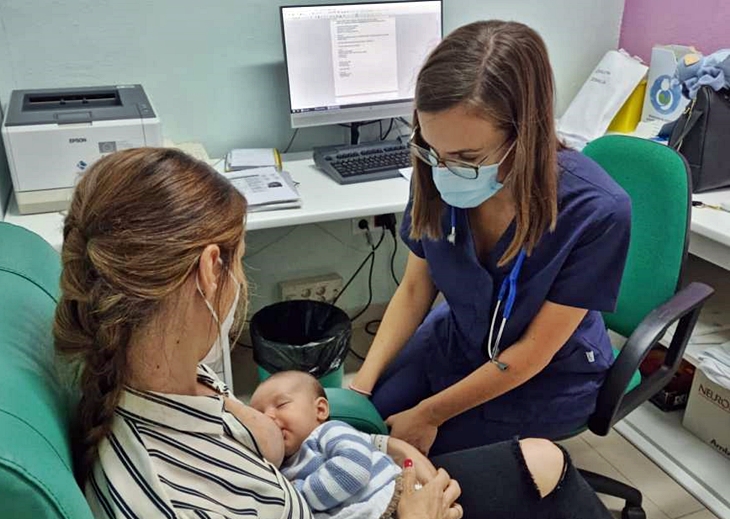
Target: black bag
[702,135]
[301,335]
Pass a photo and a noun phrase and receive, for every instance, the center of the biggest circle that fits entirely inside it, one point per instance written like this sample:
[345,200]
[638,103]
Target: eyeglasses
[459,168]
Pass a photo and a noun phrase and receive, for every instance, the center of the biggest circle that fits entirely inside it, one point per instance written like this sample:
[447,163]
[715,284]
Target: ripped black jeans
[496,484]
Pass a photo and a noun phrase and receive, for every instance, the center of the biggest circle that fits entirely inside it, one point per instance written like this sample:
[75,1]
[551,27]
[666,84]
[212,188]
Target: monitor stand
[355,132]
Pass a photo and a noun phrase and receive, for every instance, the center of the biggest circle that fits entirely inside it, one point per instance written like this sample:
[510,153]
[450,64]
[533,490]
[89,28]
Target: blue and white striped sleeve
[346,471]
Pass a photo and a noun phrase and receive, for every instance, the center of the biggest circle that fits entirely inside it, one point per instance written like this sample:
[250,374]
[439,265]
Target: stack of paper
[249,158]
[266,189]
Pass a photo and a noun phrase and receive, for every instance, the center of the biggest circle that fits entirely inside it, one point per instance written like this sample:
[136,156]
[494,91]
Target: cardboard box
[664,99]
[708,413]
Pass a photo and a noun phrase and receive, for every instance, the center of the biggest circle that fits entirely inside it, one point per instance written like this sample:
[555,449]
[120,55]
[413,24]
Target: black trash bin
[306,336]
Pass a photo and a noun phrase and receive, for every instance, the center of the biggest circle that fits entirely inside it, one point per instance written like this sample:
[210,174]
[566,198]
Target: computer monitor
[356,62]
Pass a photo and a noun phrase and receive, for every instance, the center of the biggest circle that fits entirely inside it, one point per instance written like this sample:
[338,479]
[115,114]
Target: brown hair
[138,222]
[498,70]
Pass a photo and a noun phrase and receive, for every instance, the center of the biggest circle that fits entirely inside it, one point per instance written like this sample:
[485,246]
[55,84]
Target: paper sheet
[648,129]
[263,186]
[406,173]
[251,158]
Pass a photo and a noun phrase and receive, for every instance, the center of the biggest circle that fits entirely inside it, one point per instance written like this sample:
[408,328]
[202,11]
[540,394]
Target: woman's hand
[436,500]
[415,427]
[400,451]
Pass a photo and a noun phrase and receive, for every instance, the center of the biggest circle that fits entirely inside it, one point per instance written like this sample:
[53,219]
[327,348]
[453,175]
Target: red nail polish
[408,463]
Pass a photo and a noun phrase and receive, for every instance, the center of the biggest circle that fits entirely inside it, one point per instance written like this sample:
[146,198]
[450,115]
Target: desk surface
[325,200]
[322,200]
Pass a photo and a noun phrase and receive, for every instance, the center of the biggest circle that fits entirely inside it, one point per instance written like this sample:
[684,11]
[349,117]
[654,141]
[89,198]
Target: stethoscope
[507,290]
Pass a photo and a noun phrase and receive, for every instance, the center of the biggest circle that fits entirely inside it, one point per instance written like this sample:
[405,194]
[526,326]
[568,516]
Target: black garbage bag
[306,336]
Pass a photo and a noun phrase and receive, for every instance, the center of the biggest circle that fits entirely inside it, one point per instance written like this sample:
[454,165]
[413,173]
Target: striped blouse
[177,456]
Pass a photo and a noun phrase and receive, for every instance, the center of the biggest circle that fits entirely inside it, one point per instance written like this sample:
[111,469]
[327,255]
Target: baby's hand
[266,433]
[400,451]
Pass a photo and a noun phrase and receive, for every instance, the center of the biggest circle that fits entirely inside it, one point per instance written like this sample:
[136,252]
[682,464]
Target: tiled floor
[615,457]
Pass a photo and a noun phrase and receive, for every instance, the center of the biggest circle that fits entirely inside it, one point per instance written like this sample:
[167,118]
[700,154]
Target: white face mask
[219,355]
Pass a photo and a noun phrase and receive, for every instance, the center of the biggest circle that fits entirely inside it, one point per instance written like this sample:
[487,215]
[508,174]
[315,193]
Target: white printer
[53,135]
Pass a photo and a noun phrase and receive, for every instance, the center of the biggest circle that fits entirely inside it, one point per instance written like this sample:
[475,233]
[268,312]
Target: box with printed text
[708,412]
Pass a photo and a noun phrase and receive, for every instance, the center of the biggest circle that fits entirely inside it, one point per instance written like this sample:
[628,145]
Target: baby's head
[297,404]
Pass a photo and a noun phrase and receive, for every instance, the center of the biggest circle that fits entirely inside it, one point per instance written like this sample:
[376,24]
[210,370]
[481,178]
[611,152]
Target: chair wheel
[633,512]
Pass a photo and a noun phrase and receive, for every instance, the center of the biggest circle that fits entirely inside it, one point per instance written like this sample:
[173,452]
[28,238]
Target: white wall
[214,71]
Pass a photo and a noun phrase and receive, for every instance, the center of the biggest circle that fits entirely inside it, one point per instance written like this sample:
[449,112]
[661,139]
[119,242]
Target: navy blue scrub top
[580,264]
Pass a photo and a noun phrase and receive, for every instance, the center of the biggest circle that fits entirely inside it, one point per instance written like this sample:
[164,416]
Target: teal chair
[36,477]
[651,298]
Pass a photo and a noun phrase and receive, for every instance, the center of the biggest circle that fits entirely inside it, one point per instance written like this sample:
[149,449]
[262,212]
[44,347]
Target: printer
[52,135]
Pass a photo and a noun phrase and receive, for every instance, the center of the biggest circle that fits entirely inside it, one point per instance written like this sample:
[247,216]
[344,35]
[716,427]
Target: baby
[337,469]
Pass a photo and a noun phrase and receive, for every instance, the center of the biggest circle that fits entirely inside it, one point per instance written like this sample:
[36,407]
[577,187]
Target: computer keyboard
[363,162]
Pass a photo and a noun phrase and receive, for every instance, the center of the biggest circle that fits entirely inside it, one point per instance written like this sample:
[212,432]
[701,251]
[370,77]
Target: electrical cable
[356,355]
[371,323]
[370,300]
[370,255]
[371,258]
[291,141]
[392,261]
[370,288]
[390,129]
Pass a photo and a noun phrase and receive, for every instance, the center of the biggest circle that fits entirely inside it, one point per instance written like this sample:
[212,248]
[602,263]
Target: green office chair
[651,299]
[36,478]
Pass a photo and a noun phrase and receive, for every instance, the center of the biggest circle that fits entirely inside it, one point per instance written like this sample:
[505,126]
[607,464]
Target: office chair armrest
[613,401]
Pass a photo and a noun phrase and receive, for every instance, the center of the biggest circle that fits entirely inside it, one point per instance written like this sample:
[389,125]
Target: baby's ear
[323,409]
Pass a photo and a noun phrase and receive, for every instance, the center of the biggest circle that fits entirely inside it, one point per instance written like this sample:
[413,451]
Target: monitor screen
[356,62]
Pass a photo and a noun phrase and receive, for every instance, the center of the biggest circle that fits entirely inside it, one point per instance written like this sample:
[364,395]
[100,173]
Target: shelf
[696,466]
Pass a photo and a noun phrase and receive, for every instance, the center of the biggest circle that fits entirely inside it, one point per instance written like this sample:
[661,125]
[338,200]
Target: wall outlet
[357,230]
[321,288]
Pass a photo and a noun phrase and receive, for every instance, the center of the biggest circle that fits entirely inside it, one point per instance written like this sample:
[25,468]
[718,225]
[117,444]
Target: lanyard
[508,289]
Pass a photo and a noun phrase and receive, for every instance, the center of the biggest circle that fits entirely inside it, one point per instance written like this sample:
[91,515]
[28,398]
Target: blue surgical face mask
[466,193]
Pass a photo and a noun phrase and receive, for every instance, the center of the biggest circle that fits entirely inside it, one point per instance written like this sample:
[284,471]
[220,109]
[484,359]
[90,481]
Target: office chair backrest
[36,479]
[657,179]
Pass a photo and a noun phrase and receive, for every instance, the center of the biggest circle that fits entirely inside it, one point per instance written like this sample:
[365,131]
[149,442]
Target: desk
[323,200]
[710,237]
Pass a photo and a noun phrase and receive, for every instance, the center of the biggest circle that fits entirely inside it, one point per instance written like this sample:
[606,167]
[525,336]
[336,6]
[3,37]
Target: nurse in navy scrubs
[525,239]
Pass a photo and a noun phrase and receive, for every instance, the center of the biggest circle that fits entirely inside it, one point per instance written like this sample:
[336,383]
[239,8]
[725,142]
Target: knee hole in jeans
[545,463]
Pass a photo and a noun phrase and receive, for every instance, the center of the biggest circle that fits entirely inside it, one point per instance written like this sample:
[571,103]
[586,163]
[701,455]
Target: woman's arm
[549,331]
[406,311]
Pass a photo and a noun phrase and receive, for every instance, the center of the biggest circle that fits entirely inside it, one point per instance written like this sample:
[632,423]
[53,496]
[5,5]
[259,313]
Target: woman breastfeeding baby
[152,271]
